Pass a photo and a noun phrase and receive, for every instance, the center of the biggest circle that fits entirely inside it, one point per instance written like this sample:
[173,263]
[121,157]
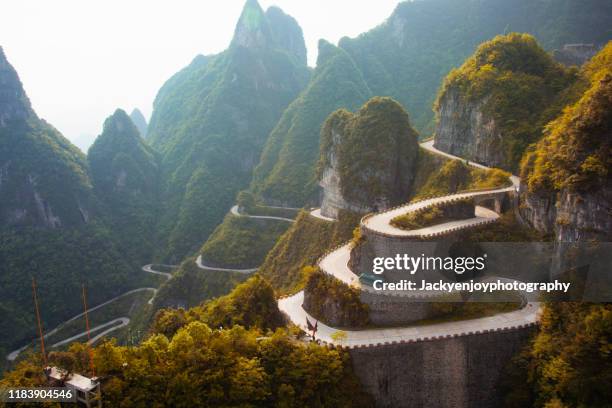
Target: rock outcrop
[575,54]
[368,159]
[492,107]
[287,33]
[286,171]
[567,185]
[570,216]
[465,130]
[140,121]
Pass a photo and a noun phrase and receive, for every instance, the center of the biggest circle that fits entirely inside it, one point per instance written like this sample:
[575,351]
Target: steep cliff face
[368,159]
[14,104]
[496,104]
[575,54]
[43,178]
[570,216]
[466,131]
[332,199]
[211,120]
[288,33]
[567,189]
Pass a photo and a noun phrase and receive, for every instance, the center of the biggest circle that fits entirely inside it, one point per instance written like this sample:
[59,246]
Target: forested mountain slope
[285,173]
[407,56]
[498,102]
[210,122]
[51,224]
[125,176]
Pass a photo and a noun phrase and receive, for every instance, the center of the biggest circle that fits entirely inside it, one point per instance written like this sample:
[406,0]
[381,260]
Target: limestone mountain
[567,193]
[285,173]
[43,180]
[568,185]
[140,121]
[125,175]
[14,103]
[408,55]
[497,103]
[368,159]
[210,122]
[407,58]
[50,224]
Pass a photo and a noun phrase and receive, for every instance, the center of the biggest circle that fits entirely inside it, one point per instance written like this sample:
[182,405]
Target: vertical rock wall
[465,131]
[456,372]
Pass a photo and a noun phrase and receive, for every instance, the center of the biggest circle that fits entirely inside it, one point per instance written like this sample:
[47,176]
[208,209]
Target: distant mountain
[285,174]
[125,175]
[407,56]
[211,119]
[43,178]
[51,226]
[140,121]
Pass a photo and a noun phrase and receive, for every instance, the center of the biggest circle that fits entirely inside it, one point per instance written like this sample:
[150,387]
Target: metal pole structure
[91,362]
[40,330]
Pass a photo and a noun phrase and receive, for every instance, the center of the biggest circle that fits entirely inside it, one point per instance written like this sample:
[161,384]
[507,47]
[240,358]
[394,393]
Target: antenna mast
[40,330]
[91,362]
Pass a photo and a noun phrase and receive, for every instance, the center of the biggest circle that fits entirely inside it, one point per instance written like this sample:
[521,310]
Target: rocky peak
[140,121]
[252,30]
[119,158]
[43,178]
[120,124]
[287,33]
[326,51]
[14,103]
[272,29]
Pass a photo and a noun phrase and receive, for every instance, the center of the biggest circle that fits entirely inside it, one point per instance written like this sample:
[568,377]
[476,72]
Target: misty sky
[80,60]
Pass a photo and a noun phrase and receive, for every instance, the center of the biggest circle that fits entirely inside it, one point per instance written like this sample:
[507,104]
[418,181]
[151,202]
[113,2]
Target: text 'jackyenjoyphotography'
[472,286]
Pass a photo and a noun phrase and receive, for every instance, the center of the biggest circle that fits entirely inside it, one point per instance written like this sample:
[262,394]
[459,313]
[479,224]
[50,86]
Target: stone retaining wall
[453,372]
[376,245]
[395,310]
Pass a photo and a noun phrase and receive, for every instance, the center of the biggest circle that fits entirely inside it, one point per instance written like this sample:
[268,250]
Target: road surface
[147,268]
[201,265]
[234,211]
[336,264]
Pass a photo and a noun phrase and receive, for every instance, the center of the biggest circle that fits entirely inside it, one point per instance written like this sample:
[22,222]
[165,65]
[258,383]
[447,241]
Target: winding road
[292,306]
[234,211]
[317,214]
[201,265]
[336,264]
[123,321]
